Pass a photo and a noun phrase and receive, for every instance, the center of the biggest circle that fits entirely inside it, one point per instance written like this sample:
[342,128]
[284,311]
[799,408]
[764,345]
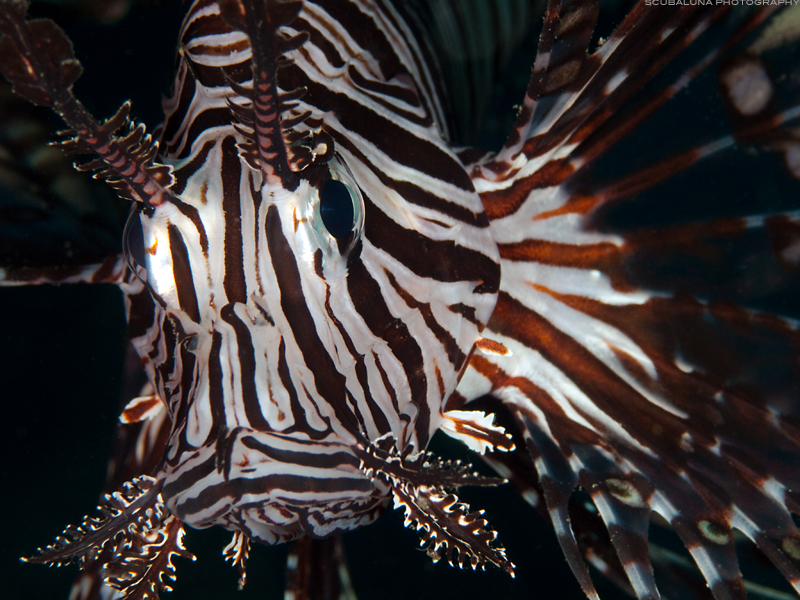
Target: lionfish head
[304,316]
[283,294]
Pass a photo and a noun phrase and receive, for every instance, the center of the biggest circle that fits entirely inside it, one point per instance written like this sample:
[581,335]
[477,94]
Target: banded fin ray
[611,383]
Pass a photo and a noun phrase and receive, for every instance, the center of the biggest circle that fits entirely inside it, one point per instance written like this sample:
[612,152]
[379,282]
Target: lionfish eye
[337,208]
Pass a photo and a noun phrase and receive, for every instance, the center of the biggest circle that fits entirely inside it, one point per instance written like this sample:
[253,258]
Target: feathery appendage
[134,541]
[418,482]
[237,552]
[37,58]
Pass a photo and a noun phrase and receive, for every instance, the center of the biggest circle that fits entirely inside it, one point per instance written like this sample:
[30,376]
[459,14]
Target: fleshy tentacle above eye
[38,60]
[260,21]
[614,379]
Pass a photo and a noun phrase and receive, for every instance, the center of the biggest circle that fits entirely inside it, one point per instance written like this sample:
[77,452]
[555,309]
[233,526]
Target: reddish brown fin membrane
[623,504]
[558,483]
[562,67]
[629,358]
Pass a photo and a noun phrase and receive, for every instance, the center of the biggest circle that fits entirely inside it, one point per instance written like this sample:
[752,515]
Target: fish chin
[258,489]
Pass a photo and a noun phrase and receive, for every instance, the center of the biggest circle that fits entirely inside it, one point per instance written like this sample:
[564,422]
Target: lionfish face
[292,334]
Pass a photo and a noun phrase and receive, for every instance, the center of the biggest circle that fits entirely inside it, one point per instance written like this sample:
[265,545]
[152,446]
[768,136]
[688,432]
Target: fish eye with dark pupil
[336,208]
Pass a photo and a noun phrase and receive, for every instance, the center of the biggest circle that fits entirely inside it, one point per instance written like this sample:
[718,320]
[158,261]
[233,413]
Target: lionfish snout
[272,487]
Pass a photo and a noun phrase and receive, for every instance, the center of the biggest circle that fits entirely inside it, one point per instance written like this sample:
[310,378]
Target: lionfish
[317,279]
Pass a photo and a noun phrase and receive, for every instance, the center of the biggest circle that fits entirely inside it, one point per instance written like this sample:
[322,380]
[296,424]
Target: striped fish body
[276,346]
[317,282]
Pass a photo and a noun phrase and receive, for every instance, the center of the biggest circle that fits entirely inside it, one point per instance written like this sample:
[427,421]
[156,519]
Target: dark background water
[61,366]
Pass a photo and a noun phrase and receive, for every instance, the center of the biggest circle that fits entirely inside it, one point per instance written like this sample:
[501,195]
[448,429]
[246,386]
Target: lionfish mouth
[261,492]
